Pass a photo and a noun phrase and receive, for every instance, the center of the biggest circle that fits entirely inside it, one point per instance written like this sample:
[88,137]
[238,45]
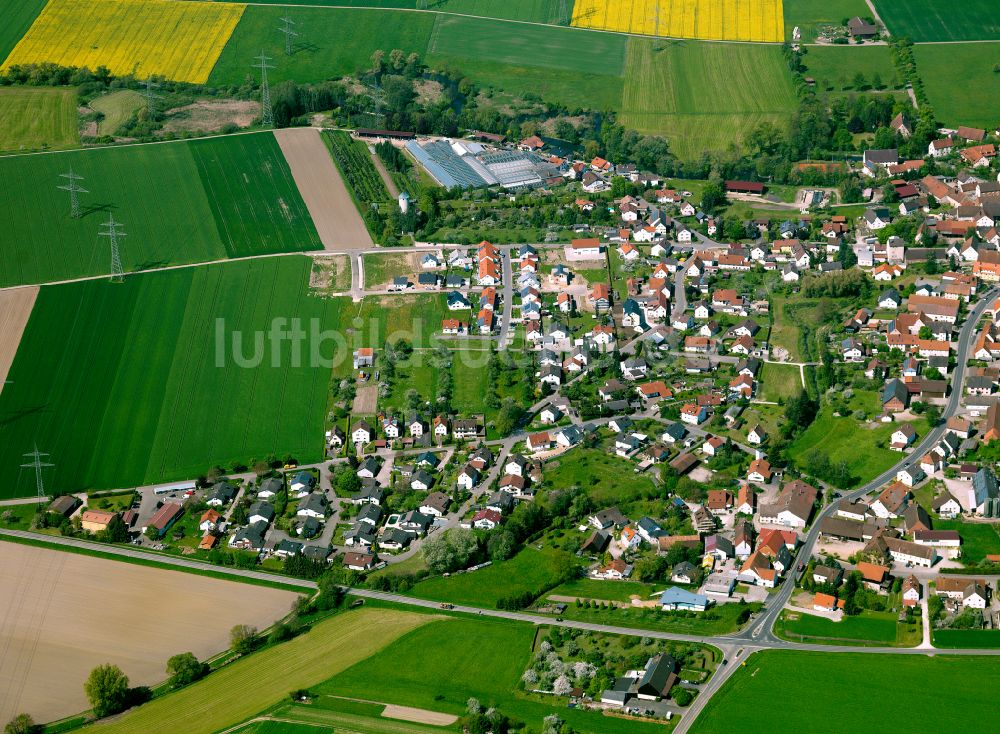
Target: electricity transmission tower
[117,274]
[37,464]
[73,188]
[421,4]
[266,113]
[377,103]
[289,32]
[150,96]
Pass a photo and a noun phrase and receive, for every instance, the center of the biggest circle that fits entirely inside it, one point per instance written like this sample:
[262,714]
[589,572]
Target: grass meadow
[38,118]
[530,570]
[926,20]
[891,683]
[534,11]
[960,81]
[178,202]
[954,639]
[978,539]
[751,85]
[524,59]
[835,67]
[323,50]
[845,439]
[879,628]
[441,665]
[241,689]
[780,381]
[117,107]
[179,41]
[120,384]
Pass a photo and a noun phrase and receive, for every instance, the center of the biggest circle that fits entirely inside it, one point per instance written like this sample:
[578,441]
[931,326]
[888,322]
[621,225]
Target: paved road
[508,298]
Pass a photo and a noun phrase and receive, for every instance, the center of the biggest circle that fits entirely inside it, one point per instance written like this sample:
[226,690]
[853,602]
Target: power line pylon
[289,32]
[117,273]
[37,464]
[73,188]
[266,113]
[150,96]
[564,18]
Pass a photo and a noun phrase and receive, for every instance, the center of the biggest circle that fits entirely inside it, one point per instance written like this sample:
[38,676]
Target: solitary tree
[242,638]
[185,668]
[107,689]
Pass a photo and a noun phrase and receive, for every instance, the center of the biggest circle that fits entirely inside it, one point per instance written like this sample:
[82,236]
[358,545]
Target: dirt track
[15,308]
[63,613]
[337,220]
[420,716]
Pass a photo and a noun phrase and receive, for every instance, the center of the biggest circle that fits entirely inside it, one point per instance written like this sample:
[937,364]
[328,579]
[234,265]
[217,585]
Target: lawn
[846,439]
[751,84]
[978,539]
[841,678]
[179,41]
[322,50]
[530,570]
[38,118]
[16,17]
[796,323]
[607,479]
[874,627]
[835,67]
[178,203]
[780,381]
[926,20]
[140,382]
[448,662]
[960,81]
[116,107]
[240,690]
[719,620]
[807,14]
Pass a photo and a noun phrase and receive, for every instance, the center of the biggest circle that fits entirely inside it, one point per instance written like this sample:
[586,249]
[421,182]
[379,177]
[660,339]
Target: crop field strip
[177,40]
[131,392]
[929,20]
[750,82]
[720,20]
[180,202]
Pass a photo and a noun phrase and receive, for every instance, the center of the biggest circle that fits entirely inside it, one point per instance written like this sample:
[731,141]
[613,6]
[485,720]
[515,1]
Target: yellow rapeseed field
[176,40]
[719,20]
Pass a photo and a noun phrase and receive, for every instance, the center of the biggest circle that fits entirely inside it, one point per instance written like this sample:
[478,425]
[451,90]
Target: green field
[16,17]
[926,20]
[960,81]
[780,381]
[668,92]
[242,689]
[879,628]
[122,385]
[567,66]
[178,203]
[808,14]
[820,688]
[37,118]
[529,570]
[440,666]
[607,479]
[835,67]
[955,639]
[613,590]
[323,50]
[116,107]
